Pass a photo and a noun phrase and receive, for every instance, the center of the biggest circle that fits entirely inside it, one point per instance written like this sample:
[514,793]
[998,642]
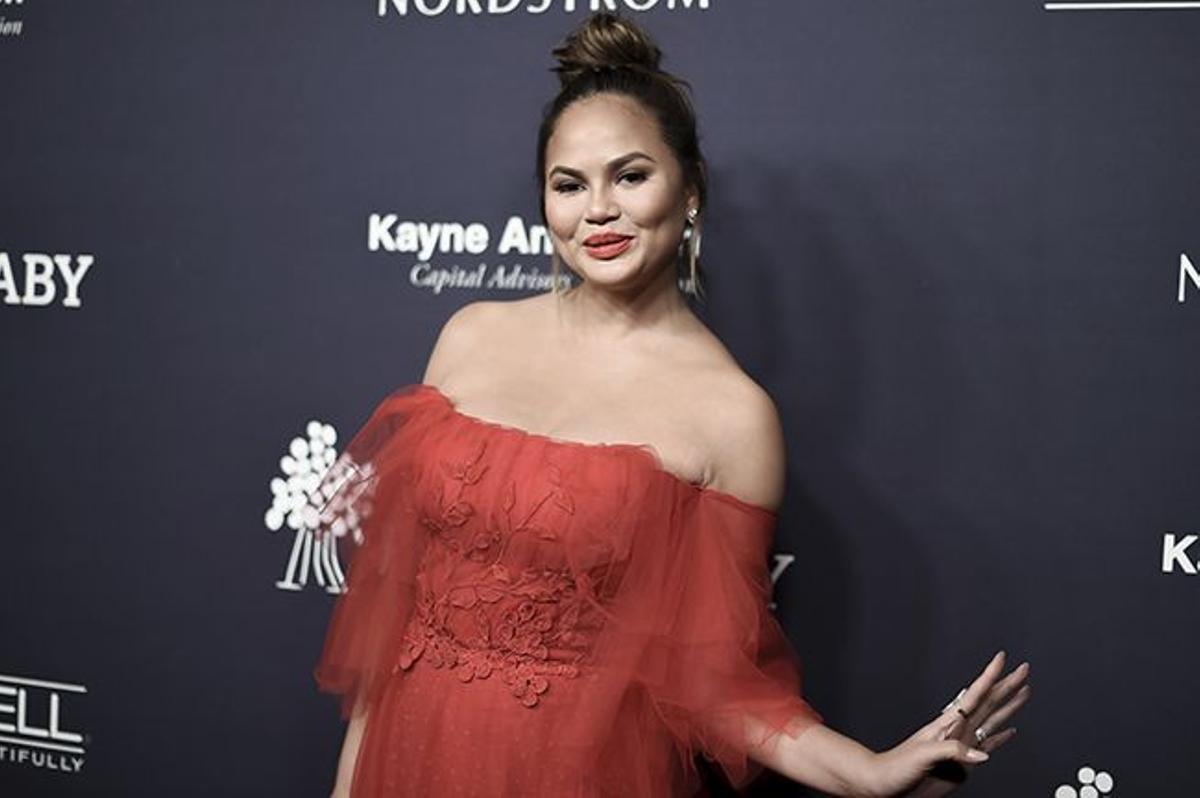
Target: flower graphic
[1093,784]
[317,493]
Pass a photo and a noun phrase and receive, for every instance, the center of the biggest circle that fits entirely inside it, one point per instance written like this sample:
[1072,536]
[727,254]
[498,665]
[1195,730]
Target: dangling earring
[691,238]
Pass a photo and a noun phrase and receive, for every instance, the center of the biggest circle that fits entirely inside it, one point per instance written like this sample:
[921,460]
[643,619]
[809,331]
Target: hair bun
[605,41]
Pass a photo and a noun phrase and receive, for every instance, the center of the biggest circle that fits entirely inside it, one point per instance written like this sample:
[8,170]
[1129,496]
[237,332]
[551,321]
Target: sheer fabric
[530,616]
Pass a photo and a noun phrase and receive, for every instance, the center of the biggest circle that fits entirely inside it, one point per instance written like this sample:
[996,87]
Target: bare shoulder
[748,458]
[469,337]
[459,336]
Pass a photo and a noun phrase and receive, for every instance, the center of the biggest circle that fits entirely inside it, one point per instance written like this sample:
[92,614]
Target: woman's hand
[946,741]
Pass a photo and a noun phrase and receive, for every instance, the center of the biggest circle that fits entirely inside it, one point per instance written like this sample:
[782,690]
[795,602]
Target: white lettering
[407,239]
[425,276]
[1186,269]
[25,727]
[73,277]
[524,240]
[462,8]
[39,273]
[477,238]
[1173,553]
[9,708]
[539,240]
[431,11]
[377,232]
[7,283]
[428,235]
[515,278]
[428,239]
[513,237]
[39,278]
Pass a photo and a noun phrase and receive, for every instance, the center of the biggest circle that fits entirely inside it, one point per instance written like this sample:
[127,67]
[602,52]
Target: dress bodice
[584,577]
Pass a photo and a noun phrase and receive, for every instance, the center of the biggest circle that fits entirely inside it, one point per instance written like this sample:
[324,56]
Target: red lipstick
[606,246]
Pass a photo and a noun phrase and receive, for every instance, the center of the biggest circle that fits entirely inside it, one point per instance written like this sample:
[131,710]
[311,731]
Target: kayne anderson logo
[32,730]
[458,241]
[462,8]
[41,277]
[1176,555]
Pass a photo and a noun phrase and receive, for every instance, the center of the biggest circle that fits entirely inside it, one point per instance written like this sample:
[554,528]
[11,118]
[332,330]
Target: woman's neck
[599,313]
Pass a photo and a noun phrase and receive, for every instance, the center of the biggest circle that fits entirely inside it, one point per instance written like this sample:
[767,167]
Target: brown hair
[609,53]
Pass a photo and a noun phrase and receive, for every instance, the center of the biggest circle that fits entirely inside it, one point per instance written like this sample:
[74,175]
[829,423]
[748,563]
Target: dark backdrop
[954,239]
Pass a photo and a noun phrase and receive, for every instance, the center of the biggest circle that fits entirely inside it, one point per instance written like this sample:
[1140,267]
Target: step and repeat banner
[957,240]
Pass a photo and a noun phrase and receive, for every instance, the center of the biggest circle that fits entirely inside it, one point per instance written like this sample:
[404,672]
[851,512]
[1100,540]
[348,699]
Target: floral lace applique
[518,619]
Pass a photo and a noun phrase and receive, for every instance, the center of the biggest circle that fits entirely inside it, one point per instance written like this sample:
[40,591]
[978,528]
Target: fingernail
[975,755]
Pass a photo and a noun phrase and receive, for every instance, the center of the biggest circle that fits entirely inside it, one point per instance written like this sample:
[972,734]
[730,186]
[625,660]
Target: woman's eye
[569,188]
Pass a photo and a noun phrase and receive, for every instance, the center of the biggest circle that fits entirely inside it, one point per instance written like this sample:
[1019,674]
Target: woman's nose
[601,207]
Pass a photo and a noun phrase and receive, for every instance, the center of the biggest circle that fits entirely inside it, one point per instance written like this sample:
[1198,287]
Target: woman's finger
[994,741]
[959,752]
[1003,688]
[1001,715]
[945,725]
[983,682]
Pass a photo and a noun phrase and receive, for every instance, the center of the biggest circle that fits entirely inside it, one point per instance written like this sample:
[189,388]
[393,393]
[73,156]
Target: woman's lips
[610,250]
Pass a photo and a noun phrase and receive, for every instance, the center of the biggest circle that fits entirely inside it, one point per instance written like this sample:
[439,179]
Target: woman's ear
[691,198]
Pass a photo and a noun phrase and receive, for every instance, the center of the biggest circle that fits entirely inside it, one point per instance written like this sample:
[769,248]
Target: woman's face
[615,194]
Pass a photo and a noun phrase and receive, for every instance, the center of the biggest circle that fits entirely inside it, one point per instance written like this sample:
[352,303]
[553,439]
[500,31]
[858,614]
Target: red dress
[531,616]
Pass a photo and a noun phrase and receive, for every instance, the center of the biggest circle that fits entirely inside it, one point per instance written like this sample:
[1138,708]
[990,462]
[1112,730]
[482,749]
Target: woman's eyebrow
[614,164]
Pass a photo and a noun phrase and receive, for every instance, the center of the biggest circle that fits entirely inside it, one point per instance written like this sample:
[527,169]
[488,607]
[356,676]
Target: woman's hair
[609,53]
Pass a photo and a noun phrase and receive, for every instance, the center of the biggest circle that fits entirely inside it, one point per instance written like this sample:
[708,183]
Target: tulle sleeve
[369,509]
[712,661]
[725,659]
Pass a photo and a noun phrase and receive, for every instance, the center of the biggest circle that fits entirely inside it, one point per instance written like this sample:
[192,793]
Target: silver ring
[980,735]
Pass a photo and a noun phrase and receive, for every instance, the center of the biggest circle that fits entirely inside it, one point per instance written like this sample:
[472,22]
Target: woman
[561,587]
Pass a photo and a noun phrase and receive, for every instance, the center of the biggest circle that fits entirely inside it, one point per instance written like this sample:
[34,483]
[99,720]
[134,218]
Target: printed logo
[31,725]
[1092,784]
[441,251]
[38,279]
[782,561]
[1187,274]
[298,497]
[1175,553]
[10,27]
[475,8]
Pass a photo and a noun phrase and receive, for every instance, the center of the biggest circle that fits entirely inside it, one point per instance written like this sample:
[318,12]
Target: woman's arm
[750,463]
[345,770]
[819,757]
[836,764]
